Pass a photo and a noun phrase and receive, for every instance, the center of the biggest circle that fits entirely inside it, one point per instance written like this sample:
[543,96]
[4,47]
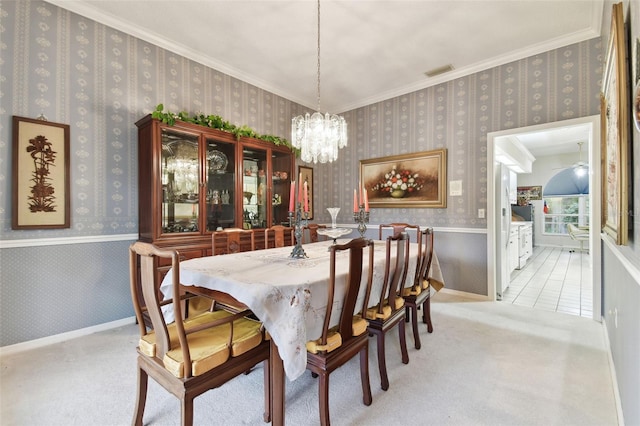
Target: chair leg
[323,393]
[364,375]
[267,391]
[187,410]
[407,314]
[403,342]
[382,362]
[141,400]
[426,314]
[414,324]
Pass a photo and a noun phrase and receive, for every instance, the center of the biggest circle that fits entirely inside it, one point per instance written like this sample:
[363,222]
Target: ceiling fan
[580,167]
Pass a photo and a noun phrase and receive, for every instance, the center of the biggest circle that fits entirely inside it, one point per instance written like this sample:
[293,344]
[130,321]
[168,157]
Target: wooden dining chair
[385,229]
[232,240]
[340,343]
[312,232]
[278,236]
[188,357]
[390,310]
[419,294]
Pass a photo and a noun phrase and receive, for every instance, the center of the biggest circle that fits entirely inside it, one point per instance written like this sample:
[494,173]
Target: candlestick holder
[298,223]
[361,217]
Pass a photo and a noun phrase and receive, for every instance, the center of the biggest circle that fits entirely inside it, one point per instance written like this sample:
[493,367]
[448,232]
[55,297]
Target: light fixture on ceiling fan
[580,168]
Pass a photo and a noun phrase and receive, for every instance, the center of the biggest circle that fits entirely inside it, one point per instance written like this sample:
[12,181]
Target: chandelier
[317,135]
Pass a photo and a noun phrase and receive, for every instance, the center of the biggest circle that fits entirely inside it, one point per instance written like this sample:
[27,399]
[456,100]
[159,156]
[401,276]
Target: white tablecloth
[288,295]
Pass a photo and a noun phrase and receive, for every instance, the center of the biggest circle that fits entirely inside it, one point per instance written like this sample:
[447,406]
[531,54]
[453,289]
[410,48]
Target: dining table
[288,295]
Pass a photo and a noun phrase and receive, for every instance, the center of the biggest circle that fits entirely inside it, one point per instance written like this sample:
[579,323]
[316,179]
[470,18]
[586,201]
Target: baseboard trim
[62,337]
[614,378]
[465,294]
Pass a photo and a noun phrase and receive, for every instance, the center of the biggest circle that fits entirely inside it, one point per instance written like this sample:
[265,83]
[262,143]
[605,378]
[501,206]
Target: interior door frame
[595,191]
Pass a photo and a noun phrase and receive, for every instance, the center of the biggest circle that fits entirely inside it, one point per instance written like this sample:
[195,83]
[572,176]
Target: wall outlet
[481,213]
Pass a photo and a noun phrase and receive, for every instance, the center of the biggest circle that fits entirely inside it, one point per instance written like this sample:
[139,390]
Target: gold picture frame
[306,175]
[40,187]
[615,130]
[409,180]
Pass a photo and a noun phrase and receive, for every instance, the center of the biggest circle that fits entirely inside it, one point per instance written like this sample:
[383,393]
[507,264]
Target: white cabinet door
[513,250]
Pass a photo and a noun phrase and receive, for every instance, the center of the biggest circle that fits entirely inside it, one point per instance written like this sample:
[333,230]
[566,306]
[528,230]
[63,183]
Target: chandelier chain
[318,55]
[318,136]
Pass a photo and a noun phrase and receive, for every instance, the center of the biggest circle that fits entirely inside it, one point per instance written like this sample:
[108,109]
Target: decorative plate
[217,161]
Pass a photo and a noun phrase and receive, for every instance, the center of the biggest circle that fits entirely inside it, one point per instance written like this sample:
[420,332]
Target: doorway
[495,238]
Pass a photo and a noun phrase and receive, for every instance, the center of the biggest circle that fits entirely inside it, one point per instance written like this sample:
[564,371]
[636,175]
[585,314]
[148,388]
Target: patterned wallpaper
[101,81]
[457,115]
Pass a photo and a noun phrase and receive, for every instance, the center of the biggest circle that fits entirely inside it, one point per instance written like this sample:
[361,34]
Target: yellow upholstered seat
[411,291]
[334,340]
[372,313]
[209,348]
[189,356]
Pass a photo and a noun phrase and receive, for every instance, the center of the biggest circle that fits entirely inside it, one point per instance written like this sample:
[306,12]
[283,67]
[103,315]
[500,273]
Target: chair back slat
[232,240]
[397,227]
[414,233]
[425,256]
[353,284]
[278,236]
[395,272]
[312,230]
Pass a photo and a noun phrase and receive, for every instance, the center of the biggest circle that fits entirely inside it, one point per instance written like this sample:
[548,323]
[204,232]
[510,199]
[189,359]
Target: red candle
[292,194]
[366,201]
[299,188]
[306,197]
[355,201]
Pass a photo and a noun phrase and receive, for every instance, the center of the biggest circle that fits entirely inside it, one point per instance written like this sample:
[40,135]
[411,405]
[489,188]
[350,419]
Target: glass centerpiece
[334,232]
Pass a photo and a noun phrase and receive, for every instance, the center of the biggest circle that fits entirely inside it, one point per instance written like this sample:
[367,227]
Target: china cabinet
[194,180]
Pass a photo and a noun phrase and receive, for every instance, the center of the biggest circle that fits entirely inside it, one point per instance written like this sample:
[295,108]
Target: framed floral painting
[614,119]
[409,180]
[40,196]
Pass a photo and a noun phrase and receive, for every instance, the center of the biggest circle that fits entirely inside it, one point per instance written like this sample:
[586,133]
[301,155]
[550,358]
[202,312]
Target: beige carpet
[485,364]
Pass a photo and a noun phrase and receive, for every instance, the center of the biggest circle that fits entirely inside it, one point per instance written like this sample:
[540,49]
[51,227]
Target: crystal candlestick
[298,220]
[361,217]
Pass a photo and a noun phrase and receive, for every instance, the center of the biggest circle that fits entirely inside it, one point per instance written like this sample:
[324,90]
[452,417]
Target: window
[560,211]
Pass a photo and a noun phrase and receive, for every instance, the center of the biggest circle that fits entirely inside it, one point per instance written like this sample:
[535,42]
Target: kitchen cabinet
[513,250]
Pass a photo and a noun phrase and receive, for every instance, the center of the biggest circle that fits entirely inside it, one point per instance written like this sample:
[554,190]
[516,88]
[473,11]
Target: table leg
[277,387]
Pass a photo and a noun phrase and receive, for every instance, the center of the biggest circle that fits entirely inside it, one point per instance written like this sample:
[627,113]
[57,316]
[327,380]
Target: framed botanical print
[40,192]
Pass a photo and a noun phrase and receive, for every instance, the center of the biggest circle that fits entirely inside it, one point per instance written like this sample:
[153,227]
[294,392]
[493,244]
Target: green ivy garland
[216,122]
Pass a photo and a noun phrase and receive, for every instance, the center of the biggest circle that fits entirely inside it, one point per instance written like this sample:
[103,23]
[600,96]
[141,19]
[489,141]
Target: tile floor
[554,279]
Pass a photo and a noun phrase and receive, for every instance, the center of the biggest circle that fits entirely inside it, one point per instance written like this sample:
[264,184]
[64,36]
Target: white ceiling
[370,50]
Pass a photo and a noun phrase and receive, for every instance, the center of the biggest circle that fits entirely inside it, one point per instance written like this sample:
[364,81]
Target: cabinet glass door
[281,183]
[254,187]
[180,171]
[221,185]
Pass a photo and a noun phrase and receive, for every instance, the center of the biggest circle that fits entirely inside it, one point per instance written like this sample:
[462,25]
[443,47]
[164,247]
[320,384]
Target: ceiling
[370,50]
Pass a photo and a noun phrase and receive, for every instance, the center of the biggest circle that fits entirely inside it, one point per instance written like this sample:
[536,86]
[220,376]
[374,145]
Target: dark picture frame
[40,175]
[408,180]
[306,175]
[615,133]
